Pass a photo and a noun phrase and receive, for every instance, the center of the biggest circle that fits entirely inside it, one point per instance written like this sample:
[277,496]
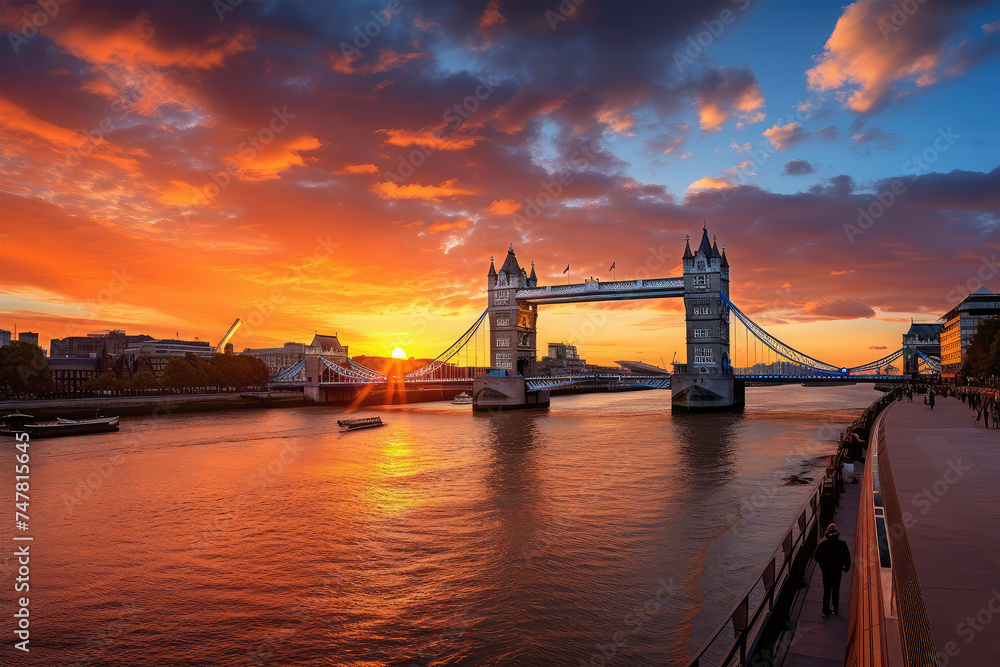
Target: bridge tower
[513,334]
[706,382]
[513,342]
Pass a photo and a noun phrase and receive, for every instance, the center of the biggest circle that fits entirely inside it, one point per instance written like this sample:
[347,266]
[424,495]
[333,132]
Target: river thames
[601,531]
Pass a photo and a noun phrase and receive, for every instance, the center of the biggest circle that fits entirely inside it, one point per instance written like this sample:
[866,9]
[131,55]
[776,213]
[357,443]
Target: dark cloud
[797,168]
[829,133]
[876,137]
[838,309]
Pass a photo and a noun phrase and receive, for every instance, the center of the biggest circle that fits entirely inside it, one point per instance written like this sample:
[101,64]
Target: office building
[958,325]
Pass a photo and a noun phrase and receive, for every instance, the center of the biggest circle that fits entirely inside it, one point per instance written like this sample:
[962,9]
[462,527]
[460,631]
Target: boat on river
[465,398]
[22,423]
[358,424]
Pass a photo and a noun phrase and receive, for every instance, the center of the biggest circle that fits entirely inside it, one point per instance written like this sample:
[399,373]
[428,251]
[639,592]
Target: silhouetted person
[930,399]
[833,558]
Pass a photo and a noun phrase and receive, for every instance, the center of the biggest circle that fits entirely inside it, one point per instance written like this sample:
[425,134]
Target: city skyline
[354,167]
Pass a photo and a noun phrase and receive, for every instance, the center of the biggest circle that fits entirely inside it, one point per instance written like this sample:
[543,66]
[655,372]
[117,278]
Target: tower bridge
[513,296]
[508,378]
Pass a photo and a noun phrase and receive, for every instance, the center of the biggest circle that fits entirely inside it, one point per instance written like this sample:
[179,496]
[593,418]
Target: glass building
[959,323]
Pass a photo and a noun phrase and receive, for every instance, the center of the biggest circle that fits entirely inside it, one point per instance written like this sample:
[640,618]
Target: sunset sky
[351,167]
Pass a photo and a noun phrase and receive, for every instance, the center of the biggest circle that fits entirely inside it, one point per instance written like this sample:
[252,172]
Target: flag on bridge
[566,270]
[612,267]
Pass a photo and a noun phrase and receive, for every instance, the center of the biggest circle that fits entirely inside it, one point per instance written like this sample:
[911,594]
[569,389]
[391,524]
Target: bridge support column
[315,393]
[695,393]
[505,393]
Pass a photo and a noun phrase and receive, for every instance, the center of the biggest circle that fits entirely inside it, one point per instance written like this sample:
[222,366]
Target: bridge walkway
[815,641]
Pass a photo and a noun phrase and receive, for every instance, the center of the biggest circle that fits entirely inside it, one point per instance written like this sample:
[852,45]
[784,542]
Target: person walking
[833,558]
[930,398]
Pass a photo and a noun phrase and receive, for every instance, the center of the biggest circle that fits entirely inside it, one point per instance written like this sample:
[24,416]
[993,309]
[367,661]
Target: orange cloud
[128,61]
[868,54]
[711,183]
[491,16]
[389,190]
[445,226]
[275,158]
[616,120]
[358,169]
[183,195]
[782,137]
[726,92]
[25,133]
[429,139]
[504,207]
[345,63]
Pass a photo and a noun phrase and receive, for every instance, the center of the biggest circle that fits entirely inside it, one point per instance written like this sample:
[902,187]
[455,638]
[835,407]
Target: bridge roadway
[595,290]
[945,474]
[657,381]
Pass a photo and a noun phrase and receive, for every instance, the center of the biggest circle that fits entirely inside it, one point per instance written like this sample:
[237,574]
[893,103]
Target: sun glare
[398,353]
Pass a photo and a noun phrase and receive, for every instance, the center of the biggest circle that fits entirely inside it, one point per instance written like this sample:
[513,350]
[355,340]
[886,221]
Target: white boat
[465,398]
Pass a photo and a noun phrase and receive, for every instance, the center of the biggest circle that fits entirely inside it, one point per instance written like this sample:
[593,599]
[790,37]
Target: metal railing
[751,614]
[773,592]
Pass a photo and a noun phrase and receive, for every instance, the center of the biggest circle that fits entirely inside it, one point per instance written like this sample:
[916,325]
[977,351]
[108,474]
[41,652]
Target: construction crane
[229,334]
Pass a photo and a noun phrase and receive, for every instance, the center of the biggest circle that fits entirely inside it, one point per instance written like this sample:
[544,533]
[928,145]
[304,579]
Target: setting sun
[398,353]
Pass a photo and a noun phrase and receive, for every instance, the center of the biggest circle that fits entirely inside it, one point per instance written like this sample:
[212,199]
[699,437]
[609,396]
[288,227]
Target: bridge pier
[703,393]
[506,393]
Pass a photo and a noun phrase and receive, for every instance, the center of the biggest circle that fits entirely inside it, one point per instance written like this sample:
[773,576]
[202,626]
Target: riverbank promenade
[818,641]
[945,469]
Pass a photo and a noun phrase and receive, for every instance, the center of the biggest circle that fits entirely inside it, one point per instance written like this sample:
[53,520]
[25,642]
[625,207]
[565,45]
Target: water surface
[604,530]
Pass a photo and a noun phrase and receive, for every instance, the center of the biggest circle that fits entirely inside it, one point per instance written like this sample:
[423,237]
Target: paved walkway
[946,470]
[819,642]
